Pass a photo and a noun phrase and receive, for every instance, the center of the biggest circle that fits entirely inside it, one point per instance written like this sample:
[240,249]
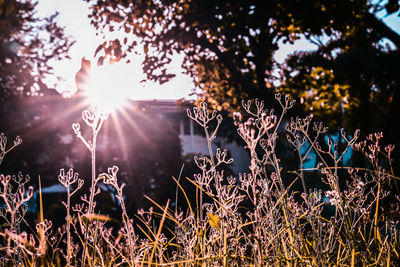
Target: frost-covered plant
[14,200]
[3,146]
[14,208]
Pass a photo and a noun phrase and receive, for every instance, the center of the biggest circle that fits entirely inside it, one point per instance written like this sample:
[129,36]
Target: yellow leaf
[98,217]
[213,220]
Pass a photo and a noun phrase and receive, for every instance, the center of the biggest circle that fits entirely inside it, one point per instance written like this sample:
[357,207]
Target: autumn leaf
[213,220]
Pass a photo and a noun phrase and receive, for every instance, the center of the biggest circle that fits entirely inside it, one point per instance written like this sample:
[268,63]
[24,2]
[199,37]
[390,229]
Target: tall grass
[259,218]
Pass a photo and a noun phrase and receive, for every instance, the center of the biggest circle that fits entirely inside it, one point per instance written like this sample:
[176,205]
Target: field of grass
[268,216]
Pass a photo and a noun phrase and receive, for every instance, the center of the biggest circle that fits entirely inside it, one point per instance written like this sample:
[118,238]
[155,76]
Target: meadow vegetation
[267,216]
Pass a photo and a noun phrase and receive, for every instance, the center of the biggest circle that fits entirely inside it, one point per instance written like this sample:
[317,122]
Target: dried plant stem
[94,118]
[260,218]
[94,180]
[91,197]
[69,247]
[67,180]
[127,224]
[158,233]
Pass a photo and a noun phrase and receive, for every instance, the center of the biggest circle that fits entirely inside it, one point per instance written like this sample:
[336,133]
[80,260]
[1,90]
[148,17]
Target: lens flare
[108,88]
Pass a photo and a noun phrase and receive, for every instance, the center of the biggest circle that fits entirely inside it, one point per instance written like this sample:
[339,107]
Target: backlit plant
[266,216]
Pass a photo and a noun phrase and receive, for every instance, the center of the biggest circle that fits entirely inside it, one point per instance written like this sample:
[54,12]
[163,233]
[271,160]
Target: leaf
[99,48]
[100,61]
[98,217]
[213,220]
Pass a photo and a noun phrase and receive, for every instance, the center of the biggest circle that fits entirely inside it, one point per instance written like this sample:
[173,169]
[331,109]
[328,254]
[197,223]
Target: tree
[228,45]
[352,80]
[27,44]
[228,49]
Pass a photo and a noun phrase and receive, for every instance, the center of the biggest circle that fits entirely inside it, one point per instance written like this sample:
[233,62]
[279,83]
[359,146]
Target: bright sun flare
[111,86]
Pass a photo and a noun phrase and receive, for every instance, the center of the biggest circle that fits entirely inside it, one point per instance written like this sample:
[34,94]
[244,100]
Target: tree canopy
[352,79]
[27,43]
[229,45]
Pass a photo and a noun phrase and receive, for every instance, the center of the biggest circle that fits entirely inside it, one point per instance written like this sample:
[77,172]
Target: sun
[110,87]
[108,90]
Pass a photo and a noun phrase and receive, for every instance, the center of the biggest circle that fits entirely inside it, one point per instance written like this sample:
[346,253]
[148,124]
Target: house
[191,135]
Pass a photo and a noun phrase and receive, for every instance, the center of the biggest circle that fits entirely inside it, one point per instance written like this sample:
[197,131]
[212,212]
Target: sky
[73,15]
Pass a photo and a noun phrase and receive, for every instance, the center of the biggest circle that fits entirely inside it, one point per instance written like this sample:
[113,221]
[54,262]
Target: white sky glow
[73,16]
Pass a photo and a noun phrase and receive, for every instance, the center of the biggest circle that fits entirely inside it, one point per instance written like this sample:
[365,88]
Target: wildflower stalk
[258,220]
[3,146]
[111,179]
[203,118]
[68,180]
[94,118]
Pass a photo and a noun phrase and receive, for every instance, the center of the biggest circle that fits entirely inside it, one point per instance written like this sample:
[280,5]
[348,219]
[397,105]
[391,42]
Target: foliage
[228,47]
[323,96]
[350,80]
[255,219]
[27,43]
[363,62]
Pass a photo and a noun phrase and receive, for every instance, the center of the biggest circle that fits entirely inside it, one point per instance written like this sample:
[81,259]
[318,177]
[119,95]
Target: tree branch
[380,26]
